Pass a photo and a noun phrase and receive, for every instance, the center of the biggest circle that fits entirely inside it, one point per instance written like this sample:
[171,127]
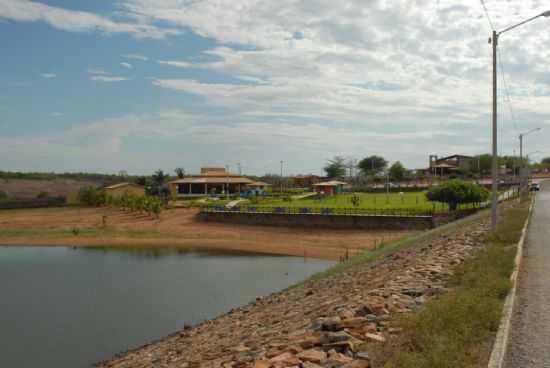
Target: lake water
[64,307]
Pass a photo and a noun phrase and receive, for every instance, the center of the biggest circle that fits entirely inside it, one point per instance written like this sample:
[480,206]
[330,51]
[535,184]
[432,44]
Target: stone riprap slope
[331,322]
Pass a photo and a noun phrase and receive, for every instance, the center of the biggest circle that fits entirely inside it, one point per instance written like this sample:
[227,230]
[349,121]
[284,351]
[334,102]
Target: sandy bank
[177,228]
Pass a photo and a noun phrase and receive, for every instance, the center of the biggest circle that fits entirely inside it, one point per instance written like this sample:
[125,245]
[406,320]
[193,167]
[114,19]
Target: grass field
[408,200]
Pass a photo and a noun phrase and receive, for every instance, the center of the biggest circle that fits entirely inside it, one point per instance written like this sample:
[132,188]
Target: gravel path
[529,344]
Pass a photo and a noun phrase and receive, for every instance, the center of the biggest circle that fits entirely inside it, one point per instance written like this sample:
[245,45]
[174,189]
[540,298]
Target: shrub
[3,195]
[42,195]
[455,192]
[355,200]
[91,196]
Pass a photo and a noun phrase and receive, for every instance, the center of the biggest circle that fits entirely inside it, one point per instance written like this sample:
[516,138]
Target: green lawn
[408,200]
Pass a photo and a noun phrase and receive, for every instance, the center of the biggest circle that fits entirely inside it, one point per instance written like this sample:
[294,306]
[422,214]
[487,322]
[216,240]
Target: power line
[507,91]
[487,15]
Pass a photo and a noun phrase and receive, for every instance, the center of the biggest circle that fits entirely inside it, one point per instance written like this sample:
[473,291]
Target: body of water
[63,307]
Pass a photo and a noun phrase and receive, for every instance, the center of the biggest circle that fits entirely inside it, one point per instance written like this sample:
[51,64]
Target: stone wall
[324,221]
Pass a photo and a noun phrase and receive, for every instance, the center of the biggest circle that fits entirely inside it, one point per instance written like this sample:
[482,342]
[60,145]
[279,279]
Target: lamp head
[546,14]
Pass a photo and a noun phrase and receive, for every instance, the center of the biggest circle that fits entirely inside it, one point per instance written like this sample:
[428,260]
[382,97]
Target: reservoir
[72,307]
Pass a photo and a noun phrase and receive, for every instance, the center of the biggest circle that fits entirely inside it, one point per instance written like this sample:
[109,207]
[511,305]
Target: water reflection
[64,307]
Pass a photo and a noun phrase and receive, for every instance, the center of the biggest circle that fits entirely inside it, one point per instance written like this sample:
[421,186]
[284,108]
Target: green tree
[335,167]
[397,171]
[481,164]
[455,192]
[92,196]
[545,161]
[180,172]
[159,177]
[372,165]
[142,180]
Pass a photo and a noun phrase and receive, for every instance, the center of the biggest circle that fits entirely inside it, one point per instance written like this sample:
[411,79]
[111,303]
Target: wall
[324,221]
[32,203]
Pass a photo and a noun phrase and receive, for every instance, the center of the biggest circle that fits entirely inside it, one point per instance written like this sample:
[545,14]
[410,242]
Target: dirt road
[177,228]
[529,344]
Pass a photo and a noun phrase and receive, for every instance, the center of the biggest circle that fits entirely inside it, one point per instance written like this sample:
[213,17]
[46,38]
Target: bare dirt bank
[177,228]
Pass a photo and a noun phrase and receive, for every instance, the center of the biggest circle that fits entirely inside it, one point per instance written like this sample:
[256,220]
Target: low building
[330,187]
[257,188]
[446,166]
[211,180]
[305,181]
[125,188]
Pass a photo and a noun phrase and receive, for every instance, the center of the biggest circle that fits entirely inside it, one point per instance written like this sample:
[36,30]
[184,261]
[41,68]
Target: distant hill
[29,185]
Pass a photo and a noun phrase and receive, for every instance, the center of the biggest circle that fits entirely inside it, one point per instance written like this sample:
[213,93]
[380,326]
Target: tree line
[97,197]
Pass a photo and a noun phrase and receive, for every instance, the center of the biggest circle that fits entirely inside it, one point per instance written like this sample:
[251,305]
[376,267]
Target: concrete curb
[501,342]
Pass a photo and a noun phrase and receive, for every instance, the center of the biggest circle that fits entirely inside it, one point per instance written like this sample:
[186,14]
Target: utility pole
[282,177]
[494,166]
[494,41]
[227,179]
[521,163]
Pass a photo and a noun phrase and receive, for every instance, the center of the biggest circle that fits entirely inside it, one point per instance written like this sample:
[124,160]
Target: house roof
[259,184]
[332,183]
[454,156]
[121,185]
[213,180]
[444,166]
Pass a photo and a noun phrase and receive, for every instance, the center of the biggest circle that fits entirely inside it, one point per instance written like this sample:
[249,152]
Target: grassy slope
[456,329]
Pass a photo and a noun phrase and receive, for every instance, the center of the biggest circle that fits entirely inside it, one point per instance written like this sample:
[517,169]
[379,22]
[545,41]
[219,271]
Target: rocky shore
[331,322]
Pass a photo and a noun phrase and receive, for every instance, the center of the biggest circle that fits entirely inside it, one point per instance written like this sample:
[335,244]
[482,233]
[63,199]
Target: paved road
[529,344]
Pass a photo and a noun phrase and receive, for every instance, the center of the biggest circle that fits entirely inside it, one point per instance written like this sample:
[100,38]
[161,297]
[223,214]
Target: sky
[141,85]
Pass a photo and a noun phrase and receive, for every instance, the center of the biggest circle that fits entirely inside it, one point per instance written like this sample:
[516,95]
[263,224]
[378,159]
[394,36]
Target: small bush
[91,196]
[42,195]
[3,195]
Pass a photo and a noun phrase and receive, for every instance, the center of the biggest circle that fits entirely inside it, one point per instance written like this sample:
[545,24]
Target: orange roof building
[211,180]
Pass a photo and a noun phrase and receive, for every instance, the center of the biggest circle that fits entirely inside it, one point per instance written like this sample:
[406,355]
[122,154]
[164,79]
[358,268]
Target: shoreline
[179,229]
[343,314]
[187,244]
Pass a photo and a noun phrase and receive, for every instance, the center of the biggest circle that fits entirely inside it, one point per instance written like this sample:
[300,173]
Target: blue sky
[138,85]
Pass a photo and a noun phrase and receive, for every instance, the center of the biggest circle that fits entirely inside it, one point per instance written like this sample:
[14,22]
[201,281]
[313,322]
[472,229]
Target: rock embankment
[331,322]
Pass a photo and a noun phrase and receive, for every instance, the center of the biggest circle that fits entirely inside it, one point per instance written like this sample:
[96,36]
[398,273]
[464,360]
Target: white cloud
[135,57]
[49,75]
[126,65]
[77,21]
[314,78]
[100,75]
[95,71]
[107,78]
[177,64]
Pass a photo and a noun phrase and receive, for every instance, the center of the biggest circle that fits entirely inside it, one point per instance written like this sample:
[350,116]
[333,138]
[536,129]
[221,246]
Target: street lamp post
[282,177]
[521,143]
[494,166]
